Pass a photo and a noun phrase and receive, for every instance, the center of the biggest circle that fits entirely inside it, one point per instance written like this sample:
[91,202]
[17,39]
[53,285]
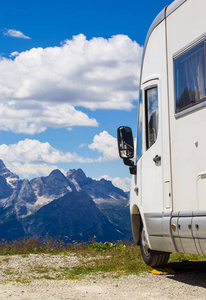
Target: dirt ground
[146,286]
[189,282]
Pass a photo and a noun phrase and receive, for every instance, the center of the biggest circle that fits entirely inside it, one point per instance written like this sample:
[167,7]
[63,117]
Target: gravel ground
[184,285]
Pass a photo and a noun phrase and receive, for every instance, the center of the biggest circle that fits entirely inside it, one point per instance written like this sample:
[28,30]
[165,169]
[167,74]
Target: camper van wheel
[151,257]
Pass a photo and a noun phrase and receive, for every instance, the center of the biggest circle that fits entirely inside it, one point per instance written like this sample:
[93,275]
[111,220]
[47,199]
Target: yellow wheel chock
[160,270]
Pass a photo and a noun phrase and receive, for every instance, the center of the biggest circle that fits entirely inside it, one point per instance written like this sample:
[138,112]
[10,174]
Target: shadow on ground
[189,272]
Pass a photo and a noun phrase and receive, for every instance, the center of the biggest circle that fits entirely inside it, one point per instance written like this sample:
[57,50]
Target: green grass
[33,245]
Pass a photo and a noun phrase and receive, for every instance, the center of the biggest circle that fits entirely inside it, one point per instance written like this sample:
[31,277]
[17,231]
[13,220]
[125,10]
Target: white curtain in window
[190,77]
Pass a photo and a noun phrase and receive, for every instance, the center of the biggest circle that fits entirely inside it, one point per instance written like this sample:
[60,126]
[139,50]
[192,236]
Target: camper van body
[168,190]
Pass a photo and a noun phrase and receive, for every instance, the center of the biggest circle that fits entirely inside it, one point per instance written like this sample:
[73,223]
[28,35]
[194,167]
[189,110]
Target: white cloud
[15,33]
[14,54]
[26,170]
[33,151]
[105,144]
[33,117]
[82,145]
[31,157]
[42,86]
[122,183]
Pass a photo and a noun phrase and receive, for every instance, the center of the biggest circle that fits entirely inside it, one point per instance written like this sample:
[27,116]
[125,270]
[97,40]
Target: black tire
[152,258]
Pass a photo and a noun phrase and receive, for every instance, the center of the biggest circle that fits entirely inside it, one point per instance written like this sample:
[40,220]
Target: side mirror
[125,142]
[126,147]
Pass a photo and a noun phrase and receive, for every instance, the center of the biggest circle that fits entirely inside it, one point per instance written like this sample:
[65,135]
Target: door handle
[157,159]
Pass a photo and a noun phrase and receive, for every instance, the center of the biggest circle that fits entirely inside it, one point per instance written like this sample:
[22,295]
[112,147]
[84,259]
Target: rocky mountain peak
[60,205]
[6,173]
[2,165]
[96,189]
[56,173]
[54,185]
[55,179]
[77,175]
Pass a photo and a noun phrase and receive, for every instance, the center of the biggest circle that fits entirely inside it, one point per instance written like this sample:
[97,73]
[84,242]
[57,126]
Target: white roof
[163,14]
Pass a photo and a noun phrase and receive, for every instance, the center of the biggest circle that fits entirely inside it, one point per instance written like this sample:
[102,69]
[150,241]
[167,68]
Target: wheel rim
[145,245]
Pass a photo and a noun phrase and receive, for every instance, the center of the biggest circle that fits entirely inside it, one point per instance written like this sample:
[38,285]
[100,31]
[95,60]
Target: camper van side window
[190,78]
[139,128]
[152,115]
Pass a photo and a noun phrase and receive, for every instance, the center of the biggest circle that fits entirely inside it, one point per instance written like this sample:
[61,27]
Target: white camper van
[168,190]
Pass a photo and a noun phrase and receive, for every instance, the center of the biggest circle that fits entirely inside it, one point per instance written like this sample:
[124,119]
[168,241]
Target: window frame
[146,89]
[177,55]
[140,126]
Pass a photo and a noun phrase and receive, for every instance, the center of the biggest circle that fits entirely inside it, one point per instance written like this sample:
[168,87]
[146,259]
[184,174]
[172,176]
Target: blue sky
[69,73]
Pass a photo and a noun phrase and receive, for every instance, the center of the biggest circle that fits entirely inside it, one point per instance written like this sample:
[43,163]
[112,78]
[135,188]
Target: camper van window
[190,78]
[152,114]
[139,128]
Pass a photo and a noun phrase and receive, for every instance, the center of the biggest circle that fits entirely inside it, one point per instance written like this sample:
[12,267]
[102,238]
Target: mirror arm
[128,162]
[133,170]
[132,167]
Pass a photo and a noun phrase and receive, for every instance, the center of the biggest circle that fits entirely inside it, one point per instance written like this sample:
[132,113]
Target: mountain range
[72,207]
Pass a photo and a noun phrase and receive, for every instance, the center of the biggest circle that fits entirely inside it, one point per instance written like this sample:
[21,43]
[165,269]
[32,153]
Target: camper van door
[152,197]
